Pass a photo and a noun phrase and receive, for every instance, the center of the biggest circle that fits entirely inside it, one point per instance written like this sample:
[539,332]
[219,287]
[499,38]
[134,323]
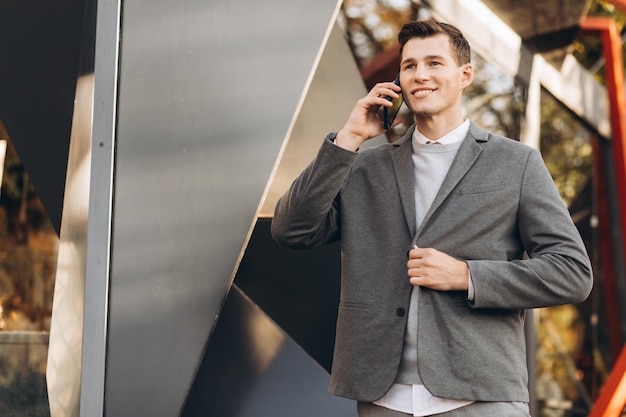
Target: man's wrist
[348,141]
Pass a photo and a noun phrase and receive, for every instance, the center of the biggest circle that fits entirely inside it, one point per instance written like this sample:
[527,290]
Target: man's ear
[467,75]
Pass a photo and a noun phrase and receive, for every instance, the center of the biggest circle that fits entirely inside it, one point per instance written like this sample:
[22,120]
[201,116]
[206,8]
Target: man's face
[431,80]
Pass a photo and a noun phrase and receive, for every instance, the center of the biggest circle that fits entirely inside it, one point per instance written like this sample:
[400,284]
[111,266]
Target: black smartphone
[390,113]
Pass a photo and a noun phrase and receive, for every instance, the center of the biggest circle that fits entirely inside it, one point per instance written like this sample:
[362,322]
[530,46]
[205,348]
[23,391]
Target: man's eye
[435,63]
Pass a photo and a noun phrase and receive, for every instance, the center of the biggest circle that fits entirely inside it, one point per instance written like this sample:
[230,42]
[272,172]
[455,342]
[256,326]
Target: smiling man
[448,235]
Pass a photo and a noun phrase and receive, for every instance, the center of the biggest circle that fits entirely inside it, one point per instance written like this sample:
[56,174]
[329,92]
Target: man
[448,235]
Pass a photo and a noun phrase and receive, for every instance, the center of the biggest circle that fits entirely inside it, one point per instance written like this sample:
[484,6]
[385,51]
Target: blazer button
[399,312]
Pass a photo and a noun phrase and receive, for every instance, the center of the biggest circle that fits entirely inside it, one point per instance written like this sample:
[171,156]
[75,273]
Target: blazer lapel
[401,156]
[465,158]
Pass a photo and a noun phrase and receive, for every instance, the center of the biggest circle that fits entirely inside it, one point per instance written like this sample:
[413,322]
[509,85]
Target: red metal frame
[612,45]
[613,395]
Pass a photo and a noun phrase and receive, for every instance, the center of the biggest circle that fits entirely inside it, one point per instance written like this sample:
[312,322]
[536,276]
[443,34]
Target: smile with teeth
[422,92]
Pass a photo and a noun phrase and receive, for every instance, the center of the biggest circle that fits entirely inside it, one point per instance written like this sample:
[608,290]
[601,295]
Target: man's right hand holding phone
[364,123]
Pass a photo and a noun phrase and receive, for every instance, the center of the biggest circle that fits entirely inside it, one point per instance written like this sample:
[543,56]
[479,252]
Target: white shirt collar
[455,135]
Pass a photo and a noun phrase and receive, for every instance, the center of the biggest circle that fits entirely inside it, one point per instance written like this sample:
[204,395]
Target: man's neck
[436,127]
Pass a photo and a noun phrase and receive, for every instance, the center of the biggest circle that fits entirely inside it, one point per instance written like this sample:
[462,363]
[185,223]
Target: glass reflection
[28,252]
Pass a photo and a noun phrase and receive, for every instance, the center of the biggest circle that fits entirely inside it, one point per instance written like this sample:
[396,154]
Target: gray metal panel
[207,94]
[335,88]
[100,203]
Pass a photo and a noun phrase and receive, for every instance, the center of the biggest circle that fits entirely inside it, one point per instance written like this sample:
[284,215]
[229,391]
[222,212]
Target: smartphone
[390,113]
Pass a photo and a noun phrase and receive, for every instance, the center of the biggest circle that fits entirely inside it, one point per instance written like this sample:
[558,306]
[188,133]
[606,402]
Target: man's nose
[421,73]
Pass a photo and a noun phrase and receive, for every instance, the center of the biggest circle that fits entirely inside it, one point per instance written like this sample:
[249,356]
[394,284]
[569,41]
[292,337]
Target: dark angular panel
[39,61]
[298,289]
[251,369]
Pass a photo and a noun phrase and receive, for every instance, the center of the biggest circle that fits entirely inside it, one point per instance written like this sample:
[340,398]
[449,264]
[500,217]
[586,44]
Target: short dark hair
[427,28]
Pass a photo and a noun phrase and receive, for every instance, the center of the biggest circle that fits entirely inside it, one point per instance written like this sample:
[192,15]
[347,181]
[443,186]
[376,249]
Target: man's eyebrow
[426,58]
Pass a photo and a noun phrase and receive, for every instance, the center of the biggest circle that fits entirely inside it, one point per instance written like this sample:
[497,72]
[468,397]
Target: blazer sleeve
[557,269]
[307,215]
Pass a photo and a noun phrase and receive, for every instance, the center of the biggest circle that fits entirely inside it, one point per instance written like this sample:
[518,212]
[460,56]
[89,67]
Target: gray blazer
[497,203]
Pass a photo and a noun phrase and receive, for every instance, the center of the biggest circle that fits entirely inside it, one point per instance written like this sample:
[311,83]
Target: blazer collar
[401,156]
